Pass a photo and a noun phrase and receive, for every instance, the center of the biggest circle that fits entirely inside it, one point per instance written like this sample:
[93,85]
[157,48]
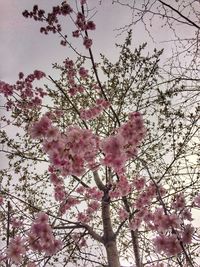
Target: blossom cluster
[16,249]
[71,71]
[79,239]
[51,18]
[28,97]
[53,25]
[95,111]
[123,145]
[67,204]
[94,195]
[171,228]
[41,236]
[122,188]
[69,152]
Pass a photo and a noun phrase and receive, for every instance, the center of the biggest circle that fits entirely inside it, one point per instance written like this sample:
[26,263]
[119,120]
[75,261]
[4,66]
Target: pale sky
[24,48]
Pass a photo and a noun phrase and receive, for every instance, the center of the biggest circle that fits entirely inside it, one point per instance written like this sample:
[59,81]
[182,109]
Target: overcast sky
[24,48]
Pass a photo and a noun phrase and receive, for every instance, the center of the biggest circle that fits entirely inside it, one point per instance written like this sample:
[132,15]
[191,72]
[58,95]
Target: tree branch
[179,13]
[98,181]
[67,97]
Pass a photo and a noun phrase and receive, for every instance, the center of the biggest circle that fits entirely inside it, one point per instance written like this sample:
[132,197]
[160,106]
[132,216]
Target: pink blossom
[55,179]
[139,183]
[179,202]
[40,229]
[71,201]
[112,145]
[52,134]
[83,72]
[91,113]
[80,189]
[39,129]
[41,236]
[6,89]
[59,113]
[115,194]
[60,193]
[63,208]
[94,193]
[123,214]
[187,215]
[34,242]
[80,88]
[53,247]
[76,33]
[197,200]
[94,205]
[66,9]
[87,42]
[123,186]
[42,217]
[73,90]
[80,21]
[16,249]
[168,244]
[69,64]
[142,200]
[35,102]
[39,74]
[187,234]
[151,191]
[90,25]
[16,223]
[148,217]
[103,103]
[165,222]
[120,147]
[83,217]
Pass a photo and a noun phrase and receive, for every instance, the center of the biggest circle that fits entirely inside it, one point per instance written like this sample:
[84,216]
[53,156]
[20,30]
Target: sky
[24,48]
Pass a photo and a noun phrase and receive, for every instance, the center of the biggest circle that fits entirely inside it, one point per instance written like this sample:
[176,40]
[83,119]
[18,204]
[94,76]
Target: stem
[97,76]
[67,97]
[8,230]
[134,237]
[192,23]
[98,181]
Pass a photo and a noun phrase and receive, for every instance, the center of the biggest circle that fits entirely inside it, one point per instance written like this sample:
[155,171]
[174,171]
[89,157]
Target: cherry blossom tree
[102,161]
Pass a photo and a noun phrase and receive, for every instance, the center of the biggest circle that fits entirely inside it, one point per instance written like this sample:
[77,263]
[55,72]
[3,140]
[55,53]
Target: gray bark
[109,238]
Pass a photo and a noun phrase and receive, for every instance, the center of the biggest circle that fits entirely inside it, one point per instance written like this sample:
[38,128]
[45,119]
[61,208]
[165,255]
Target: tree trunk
[109,238]
[136,248]
[112,254]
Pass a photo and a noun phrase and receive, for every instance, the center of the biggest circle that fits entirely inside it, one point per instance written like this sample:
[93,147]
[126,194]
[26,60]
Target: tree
[179,24]
[103,166]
